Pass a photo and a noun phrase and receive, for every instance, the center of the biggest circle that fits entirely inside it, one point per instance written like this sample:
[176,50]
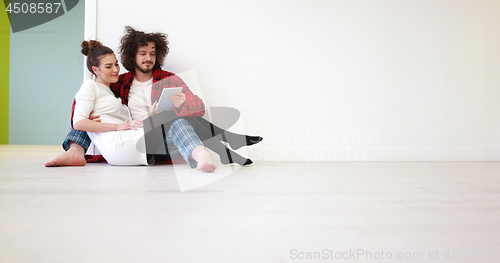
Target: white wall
[344,80]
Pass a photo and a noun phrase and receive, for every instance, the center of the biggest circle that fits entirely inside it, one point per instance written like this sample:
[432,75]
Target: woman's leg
[206,130]
[75,145]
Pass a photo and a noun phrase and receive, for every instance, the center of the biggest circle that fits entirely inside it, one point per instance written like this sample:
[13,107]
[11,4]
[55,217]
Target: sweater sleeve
[193,106]
[84,101]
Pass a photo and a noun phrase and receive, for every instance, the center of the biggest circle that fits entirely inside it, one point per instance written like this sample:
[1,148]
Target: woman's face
[108,70]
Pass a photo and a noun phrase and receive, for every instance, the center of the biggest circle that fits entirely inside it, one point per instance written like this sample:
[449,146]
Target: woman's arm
[84,104]
[93,126]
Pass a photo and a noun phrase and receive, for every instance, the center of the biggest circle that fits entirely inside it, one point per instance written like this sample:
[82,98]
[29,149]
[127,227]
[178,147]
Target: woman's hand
[130,125]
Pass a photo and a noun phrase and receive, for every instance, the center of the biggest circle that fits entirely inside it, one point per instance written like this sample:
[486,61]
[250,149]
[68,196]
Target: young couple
[109,111]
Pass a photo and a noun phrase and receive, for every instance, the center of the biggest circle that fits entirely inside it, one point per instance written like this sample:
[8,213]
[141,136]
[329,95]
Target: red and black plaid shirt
[192,107]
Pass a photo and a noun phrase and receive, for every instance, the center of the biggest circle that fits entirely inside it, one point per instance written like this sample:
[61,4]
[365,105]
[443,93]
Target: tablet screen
[165,103]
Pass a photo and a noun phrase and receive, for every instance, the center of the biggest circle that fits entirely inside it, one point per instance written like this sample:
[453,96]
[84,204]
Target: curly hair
[133,39]
[94,50]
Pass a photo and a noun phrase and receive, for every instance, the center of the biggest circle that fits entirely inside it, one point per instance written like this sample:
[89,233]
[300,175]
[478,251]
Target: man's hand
[94,117]
[178,99]
[130,125]
[153,111]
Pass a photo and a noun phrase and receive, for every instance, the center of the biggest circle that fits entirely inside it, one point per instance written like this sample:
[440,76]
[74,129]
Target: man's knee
[178,127]
[181,122]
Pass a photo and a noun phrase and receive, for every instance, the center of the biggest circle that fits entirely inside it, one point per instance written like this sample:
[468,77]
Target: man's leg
[75,145]
[203,128]
[226,155]
[206,130]
[181,139]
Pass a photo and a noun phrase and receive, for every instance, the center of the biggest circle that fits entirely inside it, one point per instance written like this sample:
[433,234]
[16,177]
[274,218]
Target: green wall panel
[4,76]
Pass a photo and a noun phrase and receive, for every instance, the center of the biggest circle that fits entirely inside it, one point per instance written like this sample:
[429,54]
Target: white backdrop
[391,80]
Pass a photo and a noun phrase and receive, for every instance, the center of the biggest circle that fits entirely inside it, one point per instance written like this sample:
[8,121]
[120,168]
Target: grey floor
[269,212]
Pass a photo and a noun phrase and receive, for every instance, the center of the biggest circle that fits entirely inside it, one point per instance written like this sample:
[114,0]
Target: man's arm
[193,106]
[122,87]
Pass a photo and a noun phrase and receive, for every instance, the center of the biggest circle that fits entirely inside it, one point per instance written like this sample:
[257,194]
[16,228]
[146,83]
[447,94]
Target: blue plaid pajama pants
[180,139]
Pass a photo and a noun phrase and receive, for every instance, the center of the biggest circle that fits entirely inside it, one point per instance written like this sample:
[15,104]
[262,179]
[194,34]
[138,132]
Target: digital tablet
[165,103]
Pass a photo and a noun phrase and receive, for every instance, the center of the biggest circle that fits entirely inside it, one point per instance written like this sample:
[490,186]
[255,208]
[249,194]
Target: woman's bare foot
[201,155]
[74,156]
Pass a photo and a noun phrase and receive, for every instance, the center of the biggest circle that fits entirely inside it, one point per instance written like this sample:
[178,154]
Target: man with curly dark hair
[134,39]
[142,54]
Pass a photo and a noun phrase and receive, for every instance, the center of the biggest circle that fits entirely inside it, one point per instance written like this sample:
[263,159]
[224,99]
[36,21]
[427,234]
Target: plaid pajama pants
[180,139]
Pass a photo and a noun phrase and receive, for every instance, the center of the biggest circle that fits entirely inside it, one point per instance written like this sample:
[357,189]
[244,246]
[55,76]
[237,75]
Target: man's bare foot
[206,167]
[74,156]
[201,155]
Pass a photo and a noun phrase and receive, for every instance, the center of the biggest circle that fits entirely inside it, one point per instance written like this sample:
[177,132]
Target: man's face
[145,58]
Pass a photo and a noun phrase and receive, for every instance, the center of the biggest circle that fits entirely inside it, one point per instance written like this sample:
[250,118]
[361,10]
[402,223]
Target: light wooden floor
[269,212]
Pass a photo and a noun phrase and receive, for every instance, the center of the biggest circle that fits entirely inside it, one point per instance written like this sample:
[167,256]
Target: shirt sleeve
[84,102]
